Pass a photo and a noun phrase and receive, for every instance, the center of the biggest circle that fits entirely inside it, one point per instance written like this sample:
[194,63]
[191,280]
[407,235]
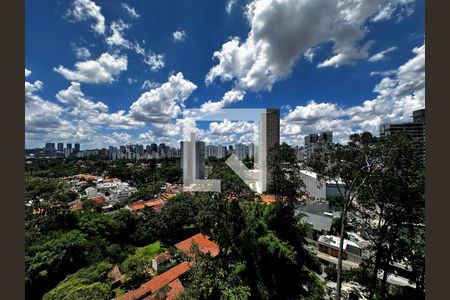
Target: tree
[350,164]
[284,170]
[87,283]
[231,184]
[394,197]
[179,212]
[46,205]
[215,278]
[52,259]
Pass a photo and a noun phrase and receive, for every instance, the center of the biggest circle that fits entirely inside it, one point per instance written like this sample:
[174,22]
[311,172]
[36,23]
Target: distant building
[211,151]
[69,146]
[199,163]
[251,150]
[241,151]
[416,130]
[49,149]
[162,150]
[60,147]
[317,142]
[77,147]
[221,151]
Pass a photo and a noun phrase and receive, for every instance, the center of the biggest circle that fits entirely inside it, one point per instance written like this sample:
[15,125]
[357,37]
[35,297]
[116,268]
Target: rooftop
[318,222]
[136,206]
[314,207]
[162,257]
[156,283]
[203,242]
[175,289]
[333,241]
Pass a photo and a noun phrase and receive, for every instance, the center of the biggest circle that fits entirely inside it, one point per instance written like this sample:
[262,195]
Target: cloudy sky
[103,73]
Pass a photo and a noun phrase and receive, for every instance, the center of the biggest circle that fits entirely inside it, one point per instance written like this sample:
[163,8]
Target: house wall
[315,188]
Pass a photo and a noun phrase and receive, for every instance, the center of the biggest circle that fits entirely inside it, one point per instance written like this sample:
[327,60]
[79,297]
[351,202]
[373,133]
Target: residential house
[203,243]
[329,244]
[150,288]
[160,260]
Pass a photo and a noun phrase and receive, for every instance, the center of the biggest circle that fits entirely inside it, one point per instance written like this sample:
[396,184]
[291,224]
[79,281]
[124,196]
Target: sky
[103,73]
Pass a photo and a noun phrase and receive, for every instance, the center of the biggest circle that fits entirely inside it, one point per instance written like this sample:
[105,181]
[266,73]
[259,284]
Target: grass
[150,250]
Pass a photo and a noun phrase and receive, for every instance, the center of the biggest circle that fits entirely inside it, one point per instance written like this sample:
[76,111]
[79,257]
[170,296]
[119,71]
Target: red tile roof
[267,199]
[99,200]
[162,257]
[175,290]
[203,242]
[106,180]
[140,205]
[156,283]
[167,196]
[86,176]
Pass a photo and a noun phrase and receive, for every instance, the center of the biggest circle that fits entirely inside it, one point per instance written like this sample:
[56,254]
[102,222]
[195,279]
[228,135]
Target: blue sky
[113,72]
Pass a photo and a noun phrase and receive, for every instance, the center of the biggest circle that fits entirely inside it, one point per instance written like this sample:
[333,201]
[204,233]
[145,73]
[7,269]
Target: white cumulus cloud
[105,69]
[161,104]
[82,10]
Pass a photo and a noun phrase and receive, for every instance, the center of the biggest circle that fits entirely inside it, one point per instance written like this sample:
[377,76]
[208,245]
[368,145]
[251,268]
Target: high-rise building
[221,151]
[317,142]
[49,146]
[273,127]
[416,130]
[49,149]
[199,158]
[162,150]
[211,151]
[241,151]
[251,150]
[69,146]
[269,136]
[153,148]
[61,147]
[77,148]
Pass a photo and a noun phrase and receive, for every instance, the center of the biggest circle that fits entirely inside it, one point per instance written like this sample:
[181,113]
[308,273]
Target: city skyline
[124,75]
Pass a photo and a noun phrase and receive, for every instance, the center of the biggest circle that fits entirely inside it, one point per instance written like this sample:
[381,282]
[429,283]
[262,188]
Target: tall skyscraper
[162,150]
[69,147]
[221,151]
[251,150]
[241,151]
[77,147]
[198,164]
[317,142]
[49,146]
[153,148]
[416,130]
[61,147]
[49,149]
[273,127]
[211,151]
[269,136]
